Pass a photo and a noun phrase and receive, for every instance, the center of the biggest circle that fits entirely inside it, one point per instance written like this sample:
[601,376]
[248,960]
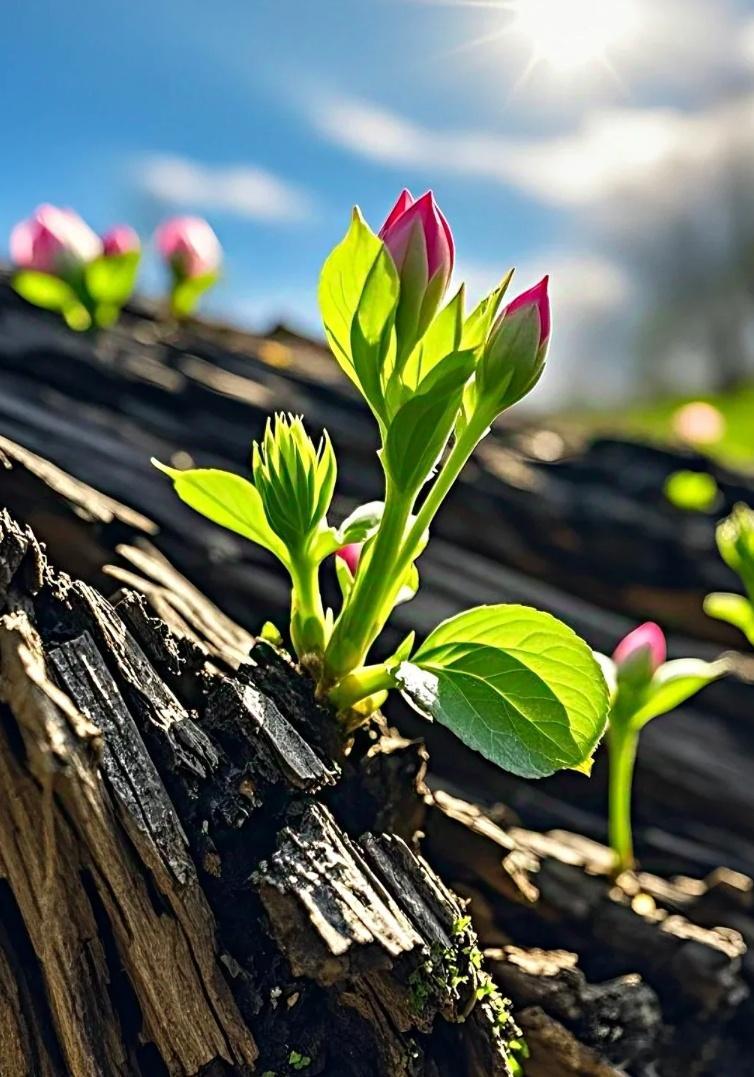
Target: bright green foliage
[51,293]
[735,540]
[228,500]
[187,291]
[735,609]
[295,481]
[634,701]
[110,279]
[91,297]
[693,491]
[514,684]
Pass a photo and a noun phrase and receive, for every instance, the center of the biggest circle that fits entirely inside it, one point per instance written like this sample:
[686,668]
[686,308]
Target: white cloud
[613,150]
[244,190]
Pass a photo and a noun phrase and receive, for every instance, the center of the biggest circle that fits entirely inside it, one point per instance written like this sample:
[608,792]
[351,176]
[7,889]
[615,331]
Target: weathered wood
[584,532]
[181,902]
[219,750]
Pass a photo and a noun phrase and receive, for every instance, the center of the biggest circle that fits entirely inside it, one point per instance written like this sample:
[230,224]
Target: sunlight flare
[573,34]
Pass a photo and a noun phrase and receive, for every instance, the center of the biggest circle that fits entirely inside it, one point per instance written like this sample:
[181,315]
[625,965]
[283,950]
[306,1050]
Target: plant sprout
[62,265]
[735,540]
[192,253]
[511,682]
[643,686]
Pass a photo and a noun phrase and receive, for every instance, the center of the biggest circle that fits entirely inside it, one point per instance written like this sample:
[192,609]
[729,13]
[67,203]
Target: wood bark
[198,876]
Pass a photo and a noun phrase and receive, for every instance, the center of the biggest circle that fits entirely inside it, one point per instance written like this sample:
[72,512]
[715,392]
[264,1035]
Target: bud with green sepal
[514,353]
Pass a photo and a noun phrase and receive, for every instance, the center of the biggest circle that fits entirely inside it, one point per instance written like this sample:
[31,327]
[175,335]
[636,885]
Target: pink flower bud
[53,240]
[534,297]
[351,554]
[190,246]
[421,245]
[121,240]
[642,651]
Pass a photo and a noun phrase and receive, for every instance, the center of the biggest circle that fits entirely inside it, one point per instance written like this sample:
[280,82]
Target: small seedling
[643,686]
[511,682]
[62,265]
[735,540]
[192,253]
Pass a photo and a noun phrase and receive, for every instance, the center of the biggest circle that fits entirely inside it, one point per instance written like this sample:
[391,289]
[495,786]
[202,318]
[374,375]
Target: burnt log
[177,895]
[584,531]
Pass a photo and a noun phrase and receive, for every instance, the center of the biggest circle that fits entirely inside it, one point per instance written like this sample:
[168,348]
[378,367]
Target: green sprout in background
[192,254]
[62,265]
[511,682]
[643,686]
[735,540]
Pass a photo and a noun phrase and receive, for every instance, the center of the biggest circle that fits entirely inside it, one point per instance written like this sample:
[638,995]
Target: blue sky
[271,117]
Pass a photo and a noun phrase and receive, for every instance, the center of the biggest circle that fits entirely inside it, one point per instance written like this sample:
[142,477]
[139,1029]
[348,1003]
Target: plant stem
[360,621]
[451,469]
[361,684]
[307,613]
[622,741]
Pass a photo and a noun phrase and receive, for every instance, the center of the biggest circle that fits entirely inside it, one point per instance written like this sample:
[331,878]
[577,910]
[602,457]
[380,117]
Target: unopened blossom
[642,651]
[420,242]
[54,240]
[350,555]
[121,239]
[189,246]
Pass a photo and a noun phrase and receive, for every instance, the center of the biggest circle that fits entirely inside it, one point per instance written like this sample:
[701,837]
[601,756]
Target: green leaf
[441,339]
[420,430]
[409,586]
[735,609]
[188,291]
[372,328]
[402,653]
[76,316]
[110,279]
[342,285]
[692,491]
[228,500]
[344,578]
[514,684]
[44,290]
[361,524]
[735,540]
[674,683]
[271,634]
[477,326]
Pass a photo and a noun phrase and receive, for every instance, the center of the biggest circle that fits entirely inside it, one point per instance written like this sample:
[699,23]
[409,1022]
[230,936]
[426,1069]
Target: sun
[572,34]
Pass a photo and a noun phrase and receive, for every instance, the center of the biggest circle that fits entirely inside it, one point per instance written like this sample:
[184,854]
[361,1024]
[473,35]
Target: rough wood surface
[177,897]
[238,827]
[585,532]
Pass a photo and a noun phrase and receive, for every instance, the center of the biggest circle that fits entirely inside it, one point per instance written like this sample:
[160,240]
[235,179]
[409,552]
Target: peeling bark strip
[175,896]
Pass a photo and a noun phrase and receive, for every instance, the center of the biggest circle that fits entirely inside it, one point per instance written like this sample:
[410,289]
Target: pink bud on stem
[641,653]
[55,241]
[121,239]
[350,555]
[189,246]
[420,243]
[535,297]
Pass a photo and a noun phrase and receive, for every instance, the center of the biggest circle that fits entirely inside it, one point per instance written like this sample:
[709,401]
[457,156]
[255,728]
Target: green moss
[299,1061]
[456,973]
